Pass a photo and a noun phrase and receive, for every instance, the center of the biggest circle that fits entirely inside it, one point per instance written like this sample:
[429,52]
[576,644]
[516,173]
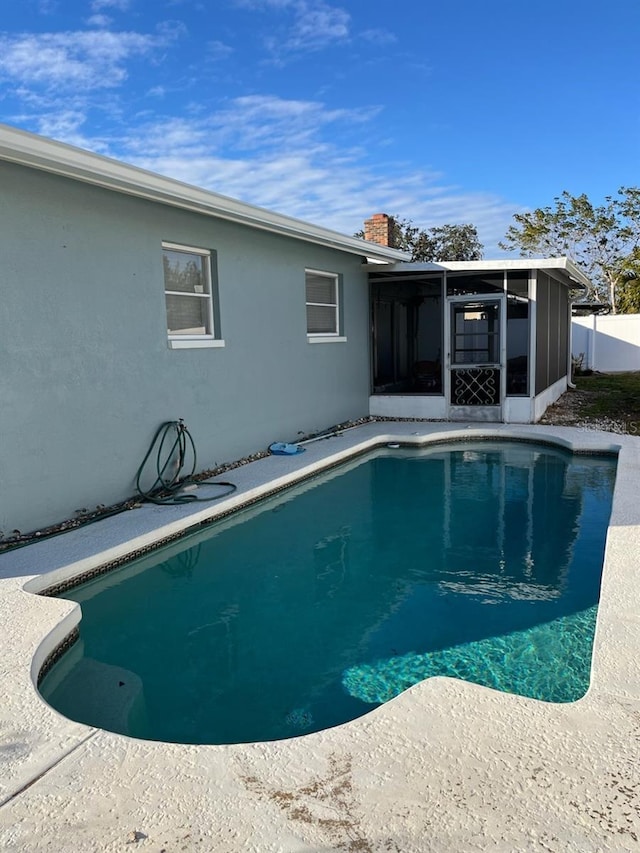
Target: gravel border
[566,411]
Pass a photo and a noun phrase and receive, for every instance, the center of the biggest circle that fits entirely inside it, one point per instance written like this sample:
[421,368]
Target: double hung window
[188,294]
[323,313]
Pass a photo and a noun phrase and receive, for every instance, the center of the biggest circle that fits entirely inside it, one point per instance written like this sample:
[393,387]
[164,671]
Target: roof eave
[573,272]
[27,149]
[575,277]
[410,266]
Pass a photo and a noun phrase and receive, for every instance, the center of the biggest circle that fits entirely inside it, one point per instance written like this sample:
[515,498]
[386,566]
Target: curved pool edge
[32,626]
[300,468]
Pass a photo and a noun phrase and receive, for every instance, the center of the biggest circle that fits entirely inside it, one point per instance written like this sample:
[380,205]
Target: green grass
[615,396]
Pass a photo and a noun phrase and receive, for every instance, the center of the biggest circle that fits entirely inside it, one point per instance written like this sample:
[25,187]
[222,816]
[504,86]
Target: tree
[604,240]
[629,288]
[440,243]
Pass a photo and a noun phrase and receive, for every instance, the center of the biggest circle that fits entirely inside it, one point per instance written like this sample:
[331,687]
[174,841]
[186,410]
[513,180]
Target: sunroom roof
[568,270]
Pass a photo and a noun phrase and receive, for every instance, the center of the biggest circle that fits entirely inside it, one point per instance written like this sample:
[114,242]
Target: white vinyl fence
[608,343]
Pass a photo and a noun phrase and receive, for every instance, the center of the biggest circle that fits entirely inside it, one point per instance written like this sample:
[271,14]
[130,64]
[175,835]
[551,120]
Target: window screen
[322,303]
[187,287]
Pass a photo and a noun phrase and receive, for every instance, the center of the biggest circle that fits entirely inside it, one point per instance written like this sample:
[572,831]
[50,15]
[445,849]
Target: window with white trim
[323,313]
[188,294]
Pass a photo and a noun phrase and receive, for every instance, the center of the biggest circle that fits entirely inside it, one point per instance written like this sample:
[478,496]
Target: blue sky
[330,111]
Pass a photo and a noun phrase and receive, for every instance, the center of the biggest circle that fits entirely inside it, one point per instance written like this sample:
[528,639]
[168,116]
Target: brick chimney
[379,229]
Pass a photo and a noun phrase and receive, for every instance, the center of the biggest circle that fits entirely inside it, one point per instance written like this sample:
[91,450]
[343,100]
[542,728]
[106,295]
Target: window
[188,290]
[323,312]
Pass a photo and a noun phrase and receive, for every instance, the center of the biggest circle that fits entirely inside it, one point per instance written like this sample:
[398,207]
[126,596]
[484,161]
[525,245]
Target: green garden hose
[168,487]
[165,490]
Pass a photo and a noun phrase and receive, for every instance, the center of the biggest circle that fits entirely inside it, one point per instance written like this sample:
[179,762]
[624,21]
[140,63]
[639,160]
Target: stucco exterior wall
[87,375]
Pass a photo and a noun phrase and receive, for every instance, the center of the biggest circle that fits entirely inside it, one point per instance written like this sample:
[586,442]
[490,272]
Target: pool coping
[46,752]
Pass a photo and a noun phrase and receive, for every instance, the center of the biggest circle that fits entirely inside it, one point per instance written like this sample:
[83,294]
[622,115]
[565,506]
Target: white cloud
[299,157]
[272,152]
[317,25]
[266,4]
[121,5]
[74,61]
[256,120]
[100,21]
[171,30]
[379,37]
[217,50]
[48,7]
[64,125]
[314,25]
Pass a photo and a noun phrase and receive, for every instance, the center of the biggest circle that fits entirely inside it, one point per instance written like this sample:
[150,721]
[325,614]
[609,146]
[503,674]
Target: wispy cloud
[316,26]
[266,4]
[379,37]
[322,163]
[275,153]
[121,5]
[65,125]
[257,120]
[55,81]
[310,25]
[75,61]
[217,50]
[101,21]
[48,7]
[299,157]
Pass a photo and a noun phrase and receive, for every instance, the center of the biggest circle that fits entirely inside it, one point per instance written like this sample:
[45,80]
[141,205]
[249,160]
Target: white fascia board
[563,264]
[37,152]
[577,276]
[573,274]
[407,266]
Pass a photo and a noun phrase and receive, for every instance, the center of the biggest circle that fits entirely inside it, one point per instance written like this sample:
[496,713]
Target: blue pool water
[479,561]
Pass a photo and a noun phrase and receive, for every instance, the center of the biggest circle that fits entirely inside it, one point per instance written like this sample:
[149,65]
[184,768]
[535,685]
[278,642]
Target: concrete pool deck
[446,766]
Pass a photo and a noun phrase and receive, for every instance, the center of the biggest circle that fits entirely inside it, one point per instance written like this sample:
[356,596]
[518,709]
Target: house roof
[565,269]
[587,309]
[38,152]
[574,275]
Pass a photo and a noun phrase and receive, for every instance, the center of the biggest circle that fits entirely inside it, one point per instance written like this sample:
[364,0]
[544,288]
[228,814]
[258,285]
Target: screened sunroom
[477,341]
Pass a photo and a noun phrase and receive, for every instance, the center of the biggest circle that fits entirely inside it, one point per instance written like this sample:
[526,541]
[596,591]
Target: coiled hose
[170,482]
[165,490]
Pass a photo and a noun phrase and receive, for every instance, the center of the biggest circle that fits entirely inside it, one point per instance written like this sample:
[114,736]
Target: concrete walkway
[446,766]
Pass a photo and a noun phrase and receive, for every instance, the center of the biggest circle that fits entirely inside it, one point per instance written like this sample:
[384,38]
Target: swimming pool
[480,561]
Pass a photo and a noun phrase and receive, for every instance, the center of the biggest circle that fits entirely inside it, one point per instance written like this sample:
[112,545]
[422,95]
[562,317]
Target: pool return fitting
[171,486]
